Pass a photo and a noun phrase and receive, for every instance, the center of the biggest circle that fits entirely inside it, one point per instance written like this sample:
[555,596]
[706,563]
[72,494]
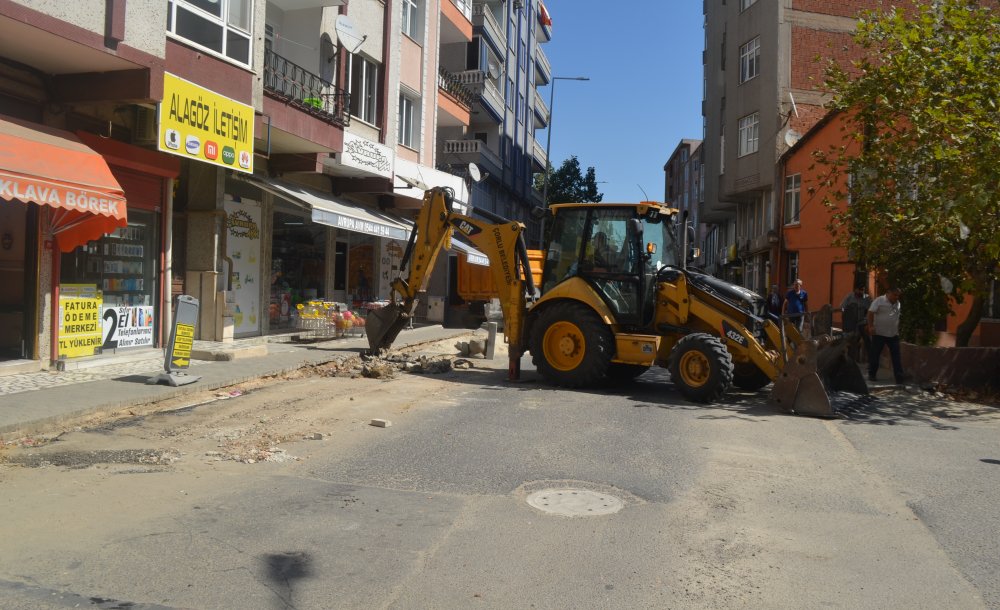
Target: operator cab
[616,248]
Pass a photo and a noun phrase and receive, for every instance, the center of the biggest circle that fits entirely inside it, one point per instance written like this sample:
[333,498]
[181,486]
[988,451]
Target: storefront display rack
[328,320]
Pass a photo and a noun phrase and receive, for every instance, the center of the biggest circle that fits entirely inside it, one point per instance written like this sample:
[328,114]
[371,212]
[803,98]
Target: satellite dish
[792,137]
[348,34]
[474,173]
[494,71]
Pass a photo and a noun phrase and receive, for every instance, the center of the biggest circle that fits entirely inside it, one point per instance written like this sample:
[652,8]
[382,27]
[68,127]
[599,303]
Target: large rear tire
[701,367]
[571,346]
[748,376]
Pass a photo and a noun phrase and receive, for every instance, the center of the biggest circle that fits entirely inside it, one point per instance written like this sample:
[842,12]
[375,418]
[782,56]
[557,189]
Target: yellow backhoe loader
[615,299]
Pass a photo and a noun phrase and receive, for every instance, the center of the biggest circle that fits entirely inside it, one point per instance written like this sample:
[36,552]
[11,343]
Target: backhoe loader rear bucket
[818,368]
[384,325]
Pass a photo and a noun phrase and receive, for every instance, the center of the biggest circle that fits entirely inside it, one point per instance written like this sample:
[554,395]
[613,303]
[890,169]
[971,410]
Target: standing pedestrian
[883,323]
[796,303]
[774,302]
[855,311]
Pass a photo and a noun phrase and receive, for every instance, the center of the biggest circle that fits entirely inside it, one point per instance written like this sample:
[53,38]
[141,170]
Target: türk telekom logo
[211,150]
[245,159]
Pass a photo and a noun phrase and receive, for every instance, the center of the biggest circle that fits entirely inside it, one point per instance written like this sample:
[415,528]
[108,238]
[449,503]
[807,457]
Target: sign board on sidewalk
[177,356]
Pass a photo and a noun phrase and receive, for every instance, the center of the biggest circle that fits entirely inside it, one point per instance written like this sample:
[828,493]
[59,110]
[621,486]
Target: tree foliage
[569,185]
[924,139]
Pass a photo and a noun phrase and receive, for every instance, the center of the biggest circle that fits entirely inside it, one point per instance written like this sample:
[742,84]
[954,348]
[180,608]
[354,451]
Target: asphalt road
[725,506]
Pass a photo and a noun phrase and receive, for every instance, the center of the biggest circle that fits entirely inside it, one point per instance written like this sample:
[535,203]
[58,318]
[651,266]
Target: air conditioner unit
[144,132]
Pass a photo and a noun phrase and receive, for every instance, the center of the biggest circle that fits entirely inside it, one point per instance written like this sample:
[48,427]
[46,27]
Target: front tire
[571,346]
[701,367]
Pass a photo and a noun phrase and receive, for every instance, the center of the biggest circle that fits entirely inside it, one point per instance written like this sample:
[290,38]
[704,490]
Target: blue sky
[643,58]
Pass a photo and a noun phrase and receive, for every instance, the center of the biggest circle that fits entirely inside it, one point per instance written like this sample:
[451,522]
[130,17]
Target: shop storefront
[59,194]
[298,263]
[327,248]
[127,265]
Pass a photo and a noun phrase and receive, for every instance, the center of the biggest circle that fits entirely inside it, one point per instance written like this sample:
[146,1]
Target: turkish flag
[543,15]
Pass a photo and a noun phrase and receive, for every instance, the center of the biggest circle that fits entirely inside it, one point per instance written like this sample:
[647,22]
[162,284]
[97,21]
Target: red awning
[50,167]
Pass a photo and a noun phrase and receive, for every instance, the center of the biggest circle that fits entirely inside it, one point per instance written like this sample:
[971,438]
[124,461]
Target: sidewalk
[30,402]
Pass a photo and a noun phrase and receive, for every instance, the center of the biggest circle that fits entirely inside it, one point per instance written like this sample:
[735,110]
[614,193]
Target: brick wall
[839,8]
[808,44]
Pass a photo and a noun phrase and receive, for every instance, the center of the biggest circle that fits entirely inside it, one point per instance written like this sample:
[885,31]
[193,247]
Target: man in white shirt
[883,324]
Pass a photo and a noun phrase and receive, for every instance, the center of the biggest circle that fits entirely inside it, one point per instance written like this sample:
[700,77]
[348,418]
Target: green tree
[569,185]
[924,132]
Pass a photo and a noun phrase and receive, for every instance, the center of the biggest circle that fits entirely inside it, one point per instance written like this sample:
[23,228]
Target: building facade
[762,91]
[254,154]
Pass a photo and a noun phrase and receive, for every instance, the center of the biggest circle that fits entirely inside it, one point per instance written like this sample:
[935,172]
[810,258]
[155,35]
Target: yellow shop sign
[203,125]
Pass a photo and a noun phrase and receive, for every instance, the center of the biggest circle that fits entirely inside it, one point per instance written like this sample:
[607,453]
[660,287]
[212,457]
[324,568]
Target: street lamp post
[548,146]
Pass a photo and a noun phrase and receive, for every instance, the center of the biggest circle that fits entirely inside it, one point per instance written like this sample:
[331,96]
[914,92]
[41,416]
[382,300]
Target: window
[793,188]
[521,108]
[408,112]
[219,26]
[411,19]
[993,301]
[745,4]
[793,267]
[510,93]
[750,60]
[362,85]
[749,138]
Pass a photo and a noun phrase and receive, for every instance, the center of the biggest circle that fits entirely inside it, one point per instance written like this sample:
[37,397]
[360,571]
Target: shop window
[122,269]
[298,265]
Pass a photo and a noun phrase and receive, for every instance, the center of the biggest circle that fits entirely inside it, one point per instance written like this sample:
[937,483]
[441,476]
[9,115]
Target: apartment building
[503,67]
[253,154]
[683,189]
[761,92]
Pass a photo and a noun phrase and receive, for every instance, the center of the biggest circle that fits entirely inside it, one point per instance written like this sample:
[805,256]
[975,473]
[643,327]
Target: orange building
[827,271]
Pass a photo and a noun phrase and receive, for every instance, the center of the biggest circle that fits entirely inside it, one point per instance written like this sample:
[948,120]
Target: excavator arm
[499,239]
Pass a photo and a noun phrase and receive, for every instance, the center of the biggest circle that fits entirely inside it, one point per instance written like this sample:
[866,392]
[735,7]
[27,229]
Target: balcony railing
[453,86]
[480,84]
[483,16]
[539,153]
[305,90]
[471,150]
[541,111]
[542,66]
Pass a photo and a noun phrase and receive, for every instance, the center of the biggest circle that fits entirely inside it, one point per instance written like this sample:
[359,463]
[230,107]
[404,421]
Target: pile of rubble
[386,365]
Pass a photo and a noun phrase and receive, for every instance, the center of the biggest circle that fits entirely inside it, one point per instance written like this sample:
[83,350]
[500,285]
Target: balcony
[306,91]
[482,18]
[541,112]
[453,86]
[456,21]
[479,84]
[538,155]
[473,151]
[543,69]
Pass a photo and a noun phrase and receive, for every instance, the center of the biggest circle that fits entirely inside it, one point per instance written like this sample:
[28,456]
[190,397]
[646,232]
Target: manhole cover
[575,502]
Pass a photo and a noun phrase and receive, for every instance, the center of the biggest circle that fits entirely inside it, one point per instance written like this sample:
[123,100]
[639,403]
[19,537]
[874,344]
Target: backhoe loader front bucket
[384,325]
[818,368]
